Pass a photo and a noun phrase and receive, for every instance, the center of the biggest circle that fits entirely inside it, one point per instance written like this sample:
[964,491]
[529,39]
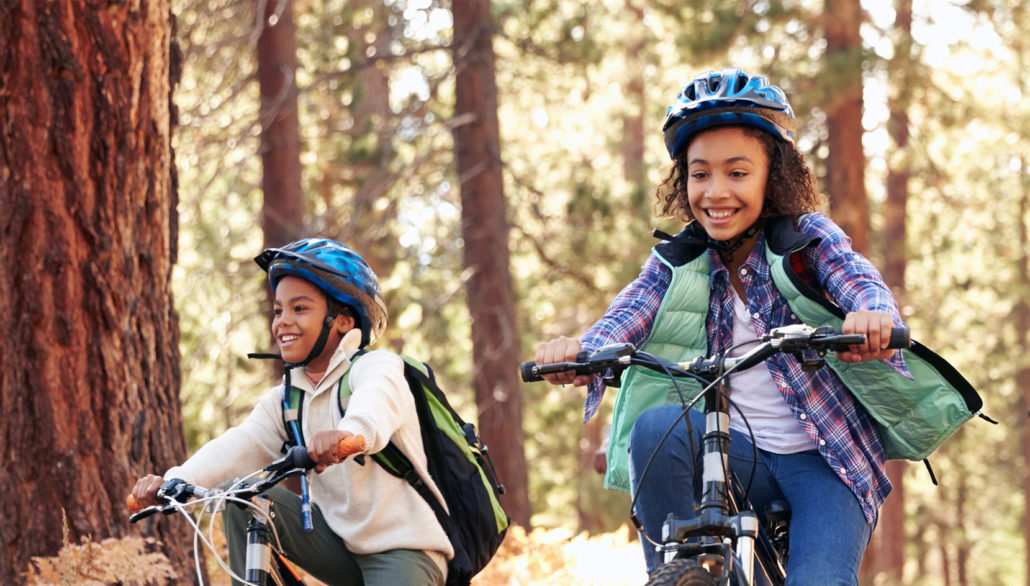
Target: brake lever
[612,354]
[614,357]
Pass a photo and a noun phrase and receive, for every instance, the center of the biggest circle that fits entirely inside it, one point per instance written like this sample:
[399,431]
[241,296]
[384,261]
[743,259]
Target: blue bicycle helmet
[338,271]
[730,97]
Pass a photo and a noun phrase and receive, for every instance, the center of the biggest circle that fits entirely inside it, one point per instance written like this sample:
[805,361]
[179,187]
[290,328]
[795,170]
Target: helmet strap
[323,337]
[726,248]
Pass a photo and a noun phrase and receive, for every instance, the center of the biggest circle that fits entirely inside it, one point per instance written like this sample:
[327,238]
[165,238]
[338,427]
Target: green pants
[323,554]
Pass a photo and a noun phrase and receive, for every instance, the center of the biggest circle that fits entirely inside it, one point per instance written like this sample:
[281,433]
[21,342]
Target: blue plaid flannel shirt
[844,434]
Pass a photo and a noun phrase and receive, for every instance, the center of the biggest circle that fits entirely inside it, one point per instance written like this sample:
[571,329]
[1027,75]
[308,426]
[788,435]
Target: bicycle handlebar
[790,339]
[296,459]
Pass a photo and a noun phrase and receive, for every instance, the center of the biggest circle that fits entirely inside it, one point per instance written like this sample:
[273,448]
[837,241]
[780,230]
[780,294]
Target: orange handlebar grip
[132,505]
[351,444]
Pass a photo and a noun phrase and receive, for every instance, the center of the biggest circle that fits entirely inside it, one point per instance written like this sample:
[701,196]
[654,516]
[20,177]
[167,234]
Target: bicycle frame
[737,531]
[731,536]
[265,564]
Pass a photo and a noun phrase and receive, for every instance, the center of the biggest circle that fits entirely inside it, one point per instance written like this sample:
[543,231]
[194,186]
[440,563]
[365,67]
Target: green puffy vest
[912,416]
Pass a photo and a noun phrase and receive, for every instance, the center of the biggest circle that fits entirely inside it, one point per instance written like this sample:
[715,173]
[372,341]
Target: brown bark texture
[282,214]
[282,209]
[485,232]
[845,179]
[90,380]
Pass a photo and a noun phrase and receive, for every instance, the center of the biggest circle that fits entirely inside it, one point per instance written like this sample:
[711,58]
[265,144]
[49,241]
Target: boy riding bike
[744,187]
[369,527]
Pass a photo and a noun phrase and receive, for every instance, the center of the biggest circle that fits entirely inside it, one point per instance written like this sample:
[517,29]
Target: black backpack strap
[933,477]
[397,464]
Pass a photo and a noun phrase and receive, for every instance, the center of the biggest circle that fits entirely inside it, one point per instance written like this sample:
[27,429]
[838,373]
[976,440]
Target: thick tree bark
[849,205]
[485,233]
[282,215]
[89,390]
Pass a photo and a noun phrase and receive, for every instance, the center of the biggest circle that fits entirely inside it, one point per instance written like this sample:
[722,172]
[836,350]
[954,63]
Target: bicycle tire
[681,572]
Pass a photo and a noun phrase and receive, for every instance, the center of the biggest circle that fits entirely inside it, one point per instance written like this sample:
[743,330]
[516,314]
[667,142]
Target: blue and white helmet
[338,271]
[726,98]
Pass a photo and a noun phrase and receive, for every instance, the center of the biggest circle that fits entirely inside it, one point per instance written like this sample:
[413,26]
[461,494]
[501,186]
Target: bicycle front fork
[259,539]
[738,532]
[737,549]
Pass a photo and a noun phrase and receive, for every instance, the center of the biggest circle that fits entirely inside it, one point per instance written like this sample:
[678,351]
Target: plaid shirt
[844,434]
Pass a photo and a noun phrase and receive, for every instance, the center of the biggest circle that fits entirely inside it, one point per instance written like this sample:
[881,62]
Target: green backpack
[458,463]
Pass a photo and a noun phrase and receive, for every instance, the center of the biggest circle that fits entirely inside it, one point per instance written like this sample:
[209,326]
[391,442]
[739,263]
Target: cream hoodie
[368,508]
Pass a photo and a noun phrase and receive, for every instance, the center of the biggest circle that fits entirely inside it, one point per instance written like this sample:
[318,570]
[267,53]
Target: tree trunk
[485,233]
[890,545]
[282,212]
[962,543]
[587,511]
[945,557]
[846,163]
[370,173]
[633,169]
[89,394]
[282,216]
[1022,310]
[1022,317]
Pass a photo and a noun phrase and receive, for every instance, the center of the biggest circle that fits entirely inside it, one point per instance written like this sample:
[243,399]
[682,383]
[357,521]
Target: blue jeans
[828,531]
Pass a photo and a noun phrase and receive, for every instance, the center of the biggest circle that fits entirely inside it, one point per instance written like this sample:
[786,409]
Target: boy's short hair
[337,308]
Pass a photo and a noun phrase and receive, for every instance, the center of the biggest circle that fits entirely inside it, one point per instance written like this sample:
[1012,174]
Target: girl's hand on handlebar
[876,326]
[145,491]
[561,349]
[323,448]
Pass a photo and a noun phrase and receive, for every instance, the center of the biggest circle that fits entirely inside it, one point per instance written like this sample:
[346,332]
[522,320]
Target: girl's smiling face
[299,313]
[728,169]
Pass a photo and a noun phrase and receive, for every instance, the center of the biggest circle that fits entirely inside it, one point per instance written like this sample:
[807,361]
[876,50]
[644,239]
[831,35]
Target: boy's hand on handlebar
[145,491]
[561,349]
[876,326]
[323,448]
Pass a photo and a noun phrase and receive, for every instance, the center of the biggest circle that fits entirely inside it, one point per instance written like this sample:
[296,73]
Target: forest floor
[543,557]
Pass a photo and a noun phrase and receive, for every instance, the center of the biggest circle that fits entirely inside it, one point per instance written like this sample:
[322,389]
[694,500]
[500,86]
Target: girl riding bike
[747,194]
[366,526]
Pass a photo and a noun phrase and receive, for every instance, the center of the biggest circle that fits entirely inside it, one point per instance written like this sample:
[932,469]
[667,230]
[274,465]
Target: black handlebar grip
[528,376]
[900,338]
[298,457]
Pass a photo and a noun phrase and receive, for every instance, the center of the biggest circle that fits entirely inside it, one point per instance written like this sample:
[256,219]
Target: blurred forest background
[345,119]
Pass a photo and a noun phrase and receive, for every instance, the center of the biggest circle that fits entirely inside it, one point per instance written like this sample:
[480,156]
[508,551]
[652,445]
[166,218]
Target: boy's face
[300,309]
[727,170]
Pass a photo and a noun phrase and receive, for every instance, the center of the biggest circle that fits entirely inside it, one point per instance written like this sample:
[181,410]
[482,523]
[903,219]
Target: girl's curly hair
[789,189]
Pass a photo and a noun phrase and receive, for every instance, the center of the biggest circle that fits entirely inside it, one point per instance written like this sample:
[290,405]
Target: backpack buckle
[412,478]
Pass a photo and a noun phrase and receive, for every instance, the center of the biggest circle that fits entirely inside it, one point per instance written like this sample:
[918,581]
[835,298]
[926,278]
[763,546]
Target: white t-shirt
[755,394]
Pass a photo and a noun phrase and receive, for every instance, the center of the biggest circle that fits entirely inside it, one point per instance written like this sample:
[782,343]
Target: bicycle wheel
[681,572]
